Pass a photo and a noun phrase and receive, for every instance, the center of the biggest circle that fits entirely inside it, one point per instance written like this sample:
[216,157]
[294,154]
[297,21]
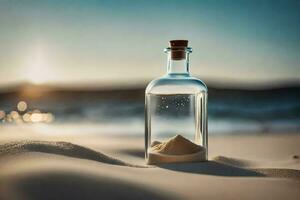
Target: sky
[122,42]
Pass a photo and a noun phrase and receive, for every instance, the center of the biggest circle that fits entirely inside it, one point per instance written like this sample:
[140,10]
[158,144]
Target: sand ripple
[60,148]
[267,172]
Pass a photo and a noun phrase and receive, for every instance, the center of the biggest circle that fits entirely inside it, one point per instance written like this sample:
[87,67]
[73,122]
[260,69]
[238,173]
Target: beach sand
[35,165]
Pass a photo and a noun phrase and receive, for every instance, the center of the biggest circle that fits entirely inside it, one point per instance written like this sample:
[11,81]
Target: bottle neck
[178,66]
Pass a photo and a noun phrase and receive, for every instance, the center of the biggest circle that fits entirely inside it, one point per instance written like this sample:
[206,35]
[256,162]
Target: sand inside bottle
[176,149]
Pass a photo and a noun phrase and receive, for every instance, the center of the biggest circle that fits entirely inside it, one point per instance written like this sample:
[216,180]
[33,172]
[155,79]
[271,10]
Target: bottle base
[160,158]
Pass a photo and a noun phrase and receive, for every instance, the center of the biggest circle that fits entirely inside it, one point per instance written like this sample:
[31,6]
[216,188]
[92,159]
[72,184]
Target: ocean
[230,111]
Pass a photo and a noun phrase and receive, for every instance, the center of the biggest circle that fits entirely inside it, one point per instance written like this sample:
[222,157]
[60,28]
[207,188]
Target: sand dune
[220,165]
[60,148]
[79,169]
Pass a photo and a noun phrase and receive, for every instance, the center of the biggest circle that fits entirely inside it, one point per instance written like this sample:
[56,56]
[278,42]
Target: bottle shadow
[211,168]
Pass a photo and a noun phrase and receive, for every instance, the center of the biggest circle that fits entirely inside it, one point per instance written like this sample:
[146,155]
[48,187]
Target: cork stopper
[178,49]
[179,43]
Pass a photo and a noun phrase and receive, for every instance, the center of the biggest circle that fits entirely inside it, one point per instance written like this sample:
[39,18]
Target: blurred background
[84,65]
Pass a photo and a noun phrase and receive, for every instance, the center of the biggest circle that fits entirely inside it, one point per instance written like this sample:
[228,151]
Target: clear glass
[176,104]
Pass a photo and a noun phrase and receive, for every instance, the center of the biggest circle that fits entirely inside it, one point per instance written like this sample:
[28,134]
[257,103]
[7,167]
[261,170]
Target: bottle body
[176,105]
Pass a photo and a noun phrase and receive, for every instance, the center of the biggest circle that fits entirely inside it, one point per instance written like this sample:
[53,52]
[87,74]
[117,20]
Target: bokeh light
[14,115]
[2,114]
[30,116]
[22,106]
[36,117]
[26,117]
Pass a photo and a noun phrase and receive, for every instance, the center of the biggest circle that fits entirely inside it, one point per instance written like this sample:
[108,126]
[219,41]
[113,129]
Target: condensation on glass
[176,103]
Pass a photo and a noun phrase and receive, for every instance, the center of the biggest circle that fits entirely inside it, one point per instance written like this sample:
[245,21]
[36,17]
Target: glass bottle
[176,112]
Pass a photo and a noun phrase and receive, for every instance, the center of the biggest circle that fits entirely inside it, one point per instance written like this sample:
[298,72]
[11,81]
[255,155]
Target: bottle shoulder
[176,84]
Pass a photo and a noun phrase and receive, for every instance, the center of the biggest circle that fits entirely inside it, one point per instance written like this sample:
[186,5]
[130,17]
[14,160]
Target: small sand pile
[176,149]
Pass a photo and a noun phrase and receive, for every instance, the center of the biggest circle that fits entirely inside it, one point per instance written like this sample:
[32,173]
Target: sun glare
[38,69]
